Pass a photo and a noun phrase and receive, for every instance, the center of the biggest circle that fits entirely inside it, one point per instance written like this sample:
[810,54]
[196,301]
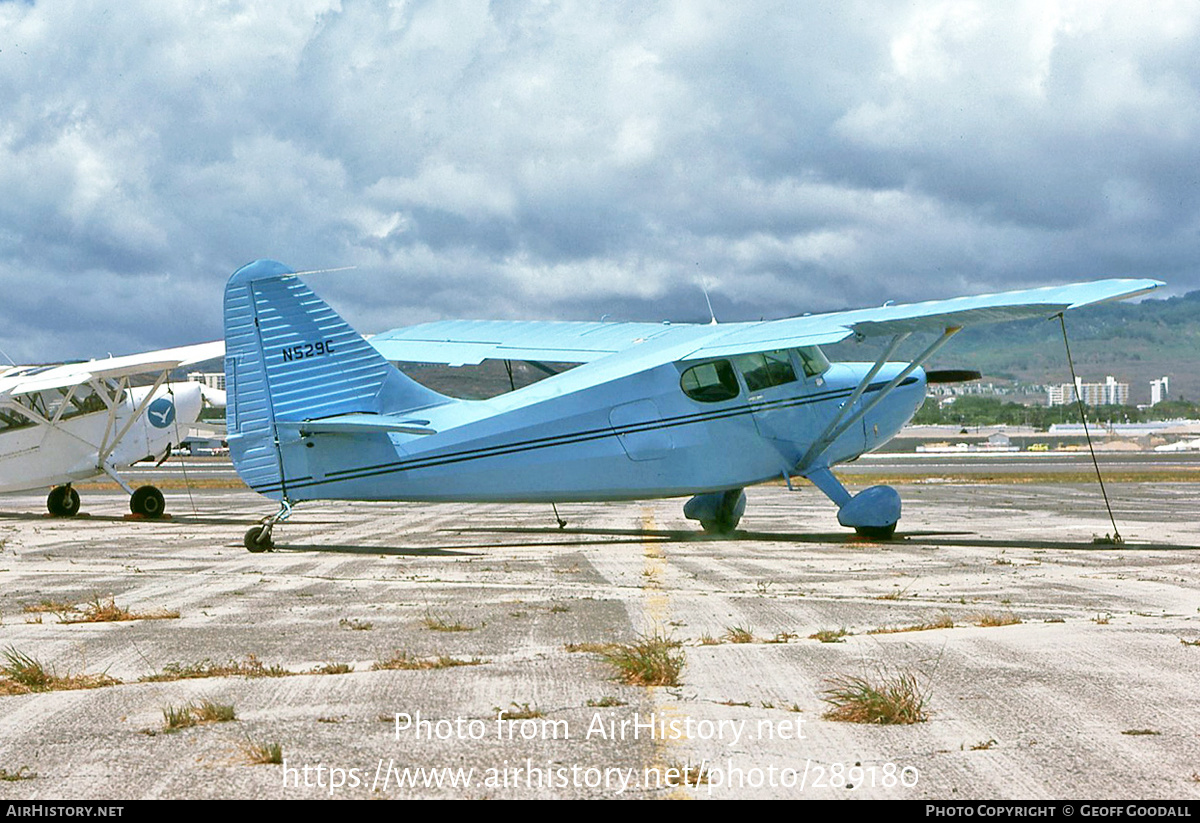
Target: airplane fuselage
[570,438]
[67,447]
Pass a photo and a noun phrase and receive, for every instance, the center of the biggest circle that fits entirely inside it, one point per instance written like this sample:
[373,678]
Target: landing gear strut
[63,501]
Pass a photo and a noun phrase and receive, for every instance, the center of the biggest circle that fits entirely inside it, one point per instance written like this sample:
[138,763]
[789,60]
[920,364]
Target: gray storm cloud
[575,160]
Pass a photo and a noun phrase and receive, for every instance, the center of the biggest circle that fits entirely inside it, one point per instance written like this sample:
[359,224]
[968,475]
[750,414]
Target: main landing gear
[718,512]
[63,501]
[147,501]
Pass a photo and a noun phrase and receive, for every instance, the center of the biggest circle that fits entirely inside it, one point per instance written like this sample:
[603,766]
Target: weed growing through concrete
[606,702]
[1140,732]
[990,619]
[443,623]
[594,648]
[22,773]
[21,673]
[250,667]
[888,700]
[943,622]
[404,661]
[739,634]
[519,711]
[206,711]
[261,752]
[333,668]
[107,611]
[829,635]
[655,660]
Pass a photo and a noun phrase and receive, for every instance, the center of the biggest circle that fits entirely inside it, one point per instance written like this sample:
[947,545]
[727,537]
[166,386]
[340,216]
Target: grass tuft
[1139,732]
[108,611]
[1195,642]
[606,702]
[943,622]
[250,667]
[206,711]
[991,619]
[333,668]
[444,623]
[22,773]
[655,660]
[20,673]
[891,700]
[404,661]
[739,634]
[829,635]
[260,752]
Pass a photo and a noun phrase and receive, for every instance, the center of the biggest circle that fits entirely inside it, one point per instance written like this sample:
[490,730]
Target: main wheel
[876,532]
[148,502]
[63,501]
[253,540]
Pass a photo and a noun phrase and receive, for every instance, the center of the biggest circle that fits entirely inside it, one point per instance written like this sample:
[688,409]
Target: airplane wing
[461,342]
[470,342]
[72,374]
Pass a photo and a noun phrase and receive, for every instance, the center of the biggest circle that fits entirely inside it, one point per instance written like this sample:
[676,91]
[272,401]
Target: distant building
[212,379]
[1159,389]
[1108,393]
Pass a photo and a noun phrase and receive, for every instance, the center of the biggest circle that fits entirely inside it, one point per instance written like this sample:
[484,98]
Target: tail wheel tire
[254,542]
[63,501]
[148,502]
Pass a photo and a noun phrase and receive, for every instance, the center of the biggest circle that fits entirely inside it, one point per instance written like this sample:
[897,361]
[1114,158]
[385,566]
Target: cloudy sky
[567,161]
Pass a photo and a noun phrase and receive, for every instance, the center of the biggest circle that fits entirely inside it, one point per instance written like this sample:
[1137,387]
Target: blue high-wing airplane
[655,410]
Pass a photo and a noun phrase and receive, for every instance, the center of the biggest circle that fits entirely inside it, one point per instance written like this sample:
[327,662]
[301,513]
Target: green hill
[1134,342]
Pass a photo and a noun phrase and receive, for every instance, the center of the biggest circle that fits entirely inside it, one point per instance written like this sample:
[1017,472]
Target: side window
[710,382]
[813,361]
[765,369]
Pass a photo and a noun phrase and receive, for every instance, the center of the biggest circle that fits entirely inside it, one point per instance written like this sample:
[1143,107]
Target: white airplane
[64,424]
[655,410]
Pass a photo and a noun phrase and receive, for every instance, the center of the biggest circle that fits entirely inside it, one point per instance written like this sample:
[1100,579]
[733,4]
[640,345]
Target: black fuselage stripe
[585,436]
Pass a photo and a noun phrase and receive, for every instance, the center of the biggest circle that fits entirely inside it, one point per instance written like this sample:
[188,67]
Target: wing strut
[839,427]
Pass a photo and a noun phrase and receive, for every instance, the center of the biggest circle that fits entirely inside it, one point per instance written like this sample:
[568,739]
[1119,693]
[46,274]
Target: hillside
[1134,342]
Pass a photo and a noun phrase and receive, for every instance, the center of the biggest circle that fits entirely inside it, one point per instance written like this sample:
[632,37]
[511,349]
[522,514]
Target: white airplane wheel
[254,542]
[63,501]
[148,502]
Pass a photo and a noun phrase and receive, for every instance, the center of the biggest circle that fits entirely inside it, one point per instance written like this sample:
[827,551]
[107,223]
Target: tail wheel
[148,502]
[63,501]
[256,541]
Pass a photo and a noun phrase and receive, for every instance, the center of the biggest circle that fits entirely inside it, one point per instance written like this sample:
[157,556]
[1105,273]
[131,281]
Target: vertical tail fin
[290,357]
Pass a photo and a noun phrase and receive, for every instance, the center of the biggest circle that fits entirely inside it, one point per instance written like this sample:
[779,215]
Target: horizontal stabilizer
[358,424]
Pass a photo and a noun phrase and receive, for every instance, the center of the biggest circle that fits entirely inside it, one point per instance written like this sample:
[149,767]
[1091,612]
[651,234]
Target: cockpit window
[710,382]
[765,369]
[812,360]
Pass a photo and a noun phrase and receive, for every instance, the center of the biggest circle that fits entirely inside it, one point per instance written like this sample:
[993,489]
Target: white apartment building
[1108,393]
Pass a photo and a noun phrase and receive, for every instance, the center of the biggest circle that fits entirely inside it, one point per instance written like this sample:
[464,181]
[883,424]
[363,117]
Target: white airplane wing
[72,374]
[460,342]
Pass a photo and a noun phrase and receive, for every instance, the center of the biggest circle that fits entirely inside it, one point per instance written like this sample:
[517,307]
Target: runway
[1090,695]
